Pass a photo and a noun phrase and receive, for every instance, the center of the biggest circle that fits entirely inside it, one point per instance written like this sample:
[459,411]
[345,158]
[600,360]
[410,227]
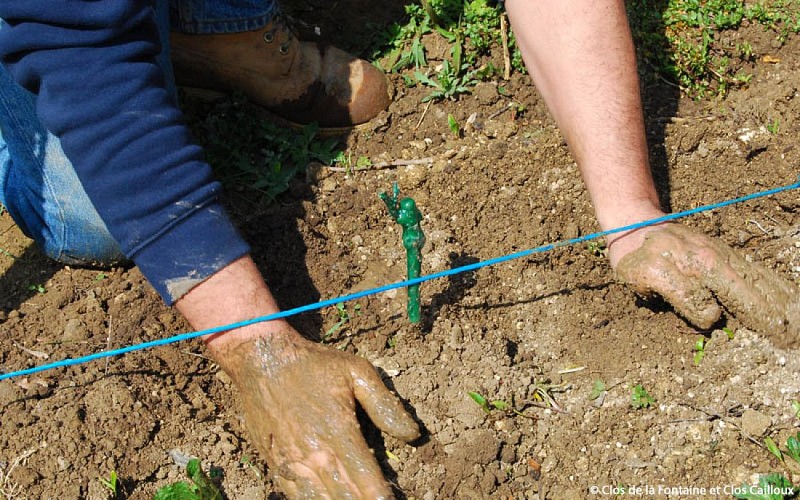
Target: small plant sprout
[497,404]
[598,389]
[110,483]
[350,166]
[37,287]
[455,128]
[392,456]
[597,248]
[728,332]
[481,401]
[640,398]
[772,447]
[699,350]
[774,126]
[201,487]
[746,49]
[248,462]
[344,318]
[5,252]
[796,408]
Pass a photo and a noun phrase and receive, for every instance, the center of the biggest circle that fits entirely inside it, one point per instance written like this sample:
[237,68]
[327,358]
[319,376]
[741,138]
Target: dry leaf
[536,468]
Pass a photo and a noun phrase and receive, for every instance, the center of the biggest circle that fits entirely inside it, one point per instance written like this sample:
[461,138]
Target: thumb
[690,298]
[383,407]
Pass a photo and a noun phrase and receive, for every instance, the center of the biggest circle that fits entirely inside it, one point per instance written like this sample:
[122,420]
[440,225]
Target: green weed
[497,404]
[37,287]
[678,39]
[247,462]
[5,252]
[470,27]
[597,248]
[452,80]
[350,166]
[201,487]
[344,317]
[728,332]
[453,125]
[793,447]
[774,126]
[796,408]
[405,42]
[110,483]
[699,350]
[247,151]
[773,486]
[773,448]
[598,388]
[640,398]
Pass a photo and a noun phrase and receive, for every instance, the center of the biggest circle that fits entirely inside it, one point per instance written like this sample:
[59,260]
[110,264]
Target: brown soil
[507,332]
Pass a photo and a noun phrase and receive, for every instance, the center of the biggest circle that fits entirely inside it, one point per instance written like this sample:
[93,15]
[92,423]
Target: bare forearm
[235,293]
[581,58]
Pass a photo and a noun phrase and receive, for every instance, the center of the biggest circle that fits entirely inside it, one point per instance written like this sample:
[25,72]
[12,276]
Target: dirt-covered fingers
[651,273]
[760,298]
[383,407]
[693,271]
[348,470]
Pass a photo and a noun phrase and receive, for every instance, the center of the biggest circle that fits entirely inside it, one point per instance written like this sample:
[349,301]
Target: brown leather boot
[301,82]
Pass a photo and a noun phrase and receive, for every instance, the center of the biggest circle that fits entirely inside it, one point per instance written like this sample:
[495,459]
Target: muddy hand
[299,403]
[692,271]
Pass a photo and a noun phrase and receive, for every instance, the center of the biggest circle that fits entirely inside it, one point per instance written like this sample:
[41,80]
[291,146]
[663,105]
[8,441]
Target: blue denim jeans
[38,185]
[220,16]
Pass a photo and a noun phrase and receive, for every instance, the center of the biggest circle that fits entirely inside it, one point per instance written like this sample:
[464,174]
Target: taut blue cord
[400,284]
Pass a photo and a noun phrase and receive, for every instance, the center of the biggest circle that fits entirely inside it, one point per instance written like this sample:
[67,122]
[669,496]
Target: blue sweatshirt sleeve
[99,90]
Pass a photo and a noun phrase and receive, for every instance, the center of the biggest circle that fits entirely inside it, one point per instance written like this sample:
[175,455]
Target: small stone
[74,330]
[755,424]
[328,185]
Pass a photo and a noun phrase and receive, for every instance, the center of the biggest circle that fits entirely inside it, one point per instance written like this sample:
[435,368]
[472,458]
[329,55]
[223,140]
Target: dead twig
[9,489]
[424,112]
[500,112]
[506,53]
[38,354]
[753,221]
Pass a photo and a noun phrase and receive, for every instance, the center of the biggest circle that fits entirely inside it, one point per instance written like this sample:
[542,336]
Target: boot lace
[280,30]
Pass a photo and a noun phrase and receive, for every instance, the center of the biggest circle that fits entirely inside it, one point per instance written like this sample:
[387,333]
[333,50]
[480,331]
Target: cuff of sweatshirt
[191,251]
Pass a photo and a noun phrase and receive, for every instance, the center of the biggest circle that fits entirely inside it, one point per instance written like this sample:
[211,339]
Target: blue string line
[393,286]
